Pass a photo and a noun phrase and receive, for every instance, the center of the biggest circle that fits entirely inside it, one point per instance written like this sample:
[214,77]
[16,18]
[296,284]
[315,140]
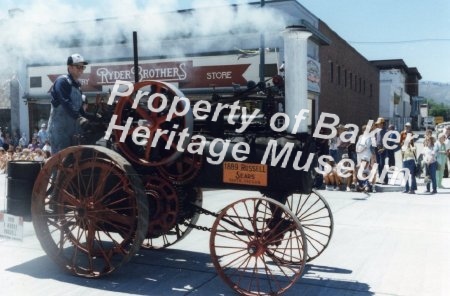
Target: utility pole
[262,60]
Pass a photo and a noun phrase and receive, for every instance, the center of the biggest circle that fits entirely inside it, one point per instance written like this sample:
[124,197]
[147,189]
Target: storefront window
[39,113]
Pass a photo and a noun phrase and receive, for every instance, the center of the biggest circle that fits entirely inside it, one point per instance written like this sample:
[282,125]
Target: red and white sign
[183,72]
[193,72]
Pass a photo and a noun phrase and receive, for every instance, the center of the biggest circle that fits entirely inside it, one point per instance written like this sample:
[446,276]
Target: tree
[439,109]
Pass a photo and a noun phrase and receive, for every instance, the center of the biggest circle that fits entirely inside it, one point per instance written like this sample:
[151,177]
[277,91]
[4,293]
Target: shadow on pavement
[178,272]
[362,195]
[320,268]
[323,280]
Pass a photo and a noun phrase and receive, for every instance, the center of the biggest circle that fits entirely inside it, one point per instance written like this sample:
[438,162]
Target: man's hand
[83,122]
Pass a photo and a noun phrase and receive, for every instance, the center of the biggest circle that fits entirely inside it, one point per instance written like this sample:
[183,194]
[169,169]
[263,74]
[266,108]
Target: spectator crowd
[20,148]
[370,153]
[370,158]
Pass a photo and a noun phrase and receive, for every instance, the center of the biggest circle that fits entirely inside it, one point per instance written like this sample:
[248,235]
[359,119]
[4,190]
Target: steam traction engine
[94,207]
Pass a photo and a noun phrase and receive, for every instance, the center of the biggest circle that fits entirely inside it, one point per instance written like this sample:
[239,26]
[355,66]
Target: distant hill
[439,92]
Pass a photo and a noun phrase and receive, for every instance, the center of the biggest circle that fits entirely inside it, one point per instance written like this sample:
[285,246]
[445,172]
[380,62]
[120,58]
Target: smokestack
[135,57]
[296,84]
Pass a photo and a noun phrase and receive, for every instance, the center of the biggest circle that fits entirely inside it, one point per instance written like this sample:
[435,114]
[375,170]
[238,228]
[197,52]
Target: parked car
[428,122]
[440,127]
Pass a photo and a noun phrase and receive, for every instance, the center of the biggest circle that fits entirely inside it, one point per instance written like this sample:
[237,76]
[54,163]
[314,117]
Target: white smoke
[43,32]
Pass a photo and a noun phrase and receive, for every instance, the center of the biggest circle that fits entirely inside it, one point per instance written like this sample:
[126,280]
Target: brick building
[350,83]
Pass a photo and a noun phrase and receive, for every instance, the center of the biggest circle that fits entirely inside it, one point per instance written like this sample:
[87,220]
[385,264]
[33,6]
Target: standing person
[332,147]
[404,133]
[341,145]
[35,133]
[23,141]
[409,162]
[352,149]
[381,152]
[322,149]
[391,151]
[363,147]
[8,141]
[2,142]
[42,135]
[15,138]
[429,156]
[67,114]
[429,134]
[447,148]
[441,158]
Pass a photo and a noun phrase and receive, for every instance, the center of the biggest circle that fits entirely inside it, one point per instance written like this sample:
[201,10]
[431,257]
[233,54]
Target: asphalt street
[385,243]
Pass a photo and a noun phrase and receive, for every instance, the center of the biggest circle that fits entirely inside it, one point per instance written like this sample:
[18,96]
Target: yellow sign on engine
[245,173]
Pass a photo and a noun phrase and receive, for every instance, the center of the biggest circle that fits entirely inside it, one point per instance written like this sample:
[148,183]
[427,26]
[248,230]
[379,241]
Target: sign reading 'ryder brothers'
[184,73]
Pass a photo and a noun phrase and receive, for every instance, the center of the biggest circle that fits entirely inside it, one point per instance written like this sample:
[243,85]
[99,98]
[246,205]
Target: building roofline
[414,71]
[396,64]
[339,37]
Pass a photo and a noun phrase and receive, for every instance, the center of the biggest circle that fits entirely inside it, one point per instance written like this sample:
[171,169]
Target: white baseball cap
[76,58]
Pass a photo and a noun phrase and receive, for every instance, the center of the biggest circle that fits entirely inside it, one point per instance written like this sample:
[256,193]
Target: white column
[296,83]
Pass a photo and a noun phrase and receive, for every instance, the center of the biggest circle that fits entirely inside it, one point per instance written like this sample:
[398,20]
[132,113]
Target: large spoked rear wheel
[251,242]
[90,211]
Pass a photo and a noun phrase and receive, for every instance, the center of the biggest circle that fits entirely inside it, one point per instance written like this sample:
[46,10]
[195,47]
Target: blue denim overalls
[66,105]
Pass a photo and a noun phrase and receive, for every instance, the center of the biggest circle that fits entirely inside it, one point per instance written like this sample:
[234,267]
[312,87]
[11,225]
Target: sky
[416,31]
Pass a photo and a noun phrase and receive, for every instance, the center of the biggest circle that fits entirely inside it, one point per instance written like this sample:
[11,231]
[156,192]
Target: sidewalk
[385,243]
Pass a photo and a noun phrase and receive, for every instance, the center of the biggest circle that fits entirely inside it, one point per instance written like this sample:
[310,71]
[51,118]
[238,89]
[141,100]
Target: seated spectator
[34,144]
[47,146]
[366,182]
[17,153]
[39,155]
[331,180]
[364,185]
[3,160]
[10,153]
[47,154]
[348,181]
[25,154]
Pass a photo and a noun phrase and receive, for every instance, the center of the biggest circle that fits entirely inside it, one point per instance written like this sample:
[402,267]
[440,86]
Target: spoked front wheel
[251,242]
[316,218]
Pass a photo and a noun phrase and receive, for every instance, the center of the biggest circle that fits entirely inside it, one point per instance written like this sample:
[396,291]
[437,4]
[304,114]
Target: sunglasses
[79,67]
